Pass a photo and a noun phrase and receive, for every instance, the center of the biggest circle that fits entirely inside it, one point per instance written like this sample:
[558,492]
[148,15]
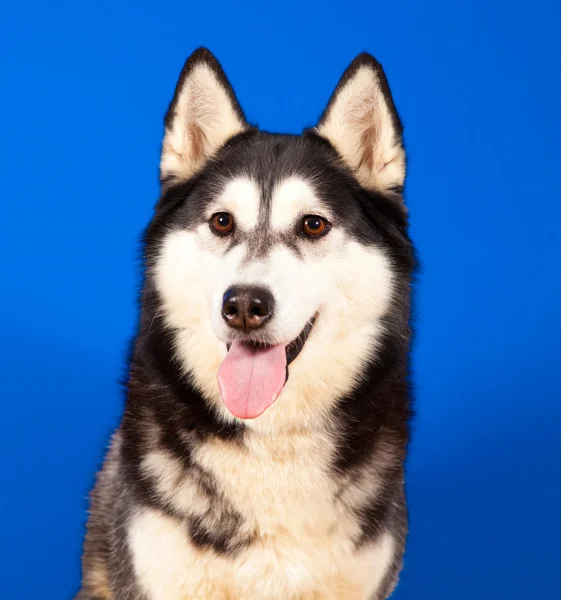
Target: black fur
[160,397]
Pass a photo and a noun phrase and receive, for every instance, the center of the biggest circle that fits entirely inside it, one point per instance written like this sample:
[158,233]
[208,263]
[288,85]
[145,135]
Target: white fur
[204,121]
[179,491]
[348,284]
[301,549]
[275,568]
[294,198]
[299,513]
[240,197]
[359,117]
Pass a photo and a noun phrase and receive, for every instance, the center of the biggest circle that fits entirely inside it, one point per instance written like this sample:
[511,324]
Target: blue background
[84,89]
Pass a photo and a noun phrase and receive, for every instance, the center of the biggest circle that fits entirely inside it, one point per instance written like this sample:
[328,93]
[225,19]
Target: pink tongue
[250,380]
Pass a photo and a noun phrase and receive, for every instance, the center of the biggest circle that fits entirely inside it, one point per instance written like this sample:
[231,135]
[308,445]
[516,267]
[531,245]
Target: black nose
[247,308]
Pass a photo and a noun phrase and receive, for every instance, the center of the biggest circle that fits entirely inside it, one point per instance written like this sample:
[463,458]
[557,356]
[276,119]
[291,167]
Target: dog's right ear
[203,115]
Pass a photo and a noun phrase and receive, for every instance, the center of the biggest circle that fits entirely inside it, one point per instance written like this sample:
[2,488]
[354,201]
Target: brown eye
[314,226]
[222,223]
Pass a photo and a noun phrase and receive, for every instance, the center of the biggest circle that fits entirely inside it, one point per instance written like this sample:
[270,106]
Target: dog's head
[278,261]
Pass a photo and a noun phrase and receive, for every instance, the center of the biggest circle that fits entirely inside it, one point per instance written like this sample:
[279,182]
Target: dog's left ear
[362,123]
[203,115]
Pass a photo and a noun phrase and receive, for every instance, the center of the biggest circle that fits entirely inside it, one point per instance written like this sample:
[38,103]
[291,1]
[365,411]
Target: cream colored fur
[204,121]
[301,549]
[278,567]
[360,126]
[194,271]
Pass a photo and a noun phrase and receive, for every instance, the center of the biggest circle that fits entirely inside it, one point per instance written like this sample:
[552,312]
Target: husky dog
[261,452]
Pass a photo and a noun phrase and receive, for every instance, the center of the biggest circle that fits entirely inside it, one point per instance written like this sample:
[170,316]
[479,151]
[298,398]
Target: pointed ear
[203,115]
[362,123]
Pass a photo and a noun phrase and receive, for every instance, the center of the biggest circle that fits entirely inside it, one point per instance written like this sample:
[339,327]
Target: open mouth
[252,375]
[295,347]
[292,350]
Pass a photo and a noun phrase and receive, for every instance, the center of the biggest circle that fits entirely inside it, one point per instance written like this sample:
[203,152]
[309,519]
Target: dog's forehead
[241,196]
[276,206]
[293,197]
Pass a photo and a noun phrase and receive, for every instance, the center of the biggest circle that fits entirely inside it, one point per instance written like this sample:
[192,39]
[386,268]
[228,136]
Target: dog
[261,451]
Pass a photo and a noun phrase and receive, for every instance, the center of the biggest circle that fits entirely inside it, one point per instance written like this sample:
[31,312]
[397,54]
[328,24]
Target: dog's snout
[247,308]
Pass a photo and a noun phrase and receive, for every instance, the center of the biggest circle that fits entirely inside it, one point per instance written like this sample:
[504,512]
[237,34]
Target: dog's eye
[222,223]
[314,226]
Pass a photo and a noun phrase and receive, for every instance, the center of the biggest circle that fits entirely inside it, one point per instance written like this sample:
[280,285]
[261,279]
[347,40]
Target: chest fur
[267,488]
[261,520]
[280,487]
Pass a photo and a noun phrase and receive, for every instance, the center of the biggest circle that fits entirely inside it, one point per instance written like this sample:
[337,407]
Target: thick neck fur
[378,408]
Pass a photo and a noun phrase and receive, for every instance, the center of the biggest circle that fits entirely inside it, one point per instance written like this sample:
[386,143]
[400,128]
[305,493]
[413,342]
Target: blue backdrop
[84,89]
